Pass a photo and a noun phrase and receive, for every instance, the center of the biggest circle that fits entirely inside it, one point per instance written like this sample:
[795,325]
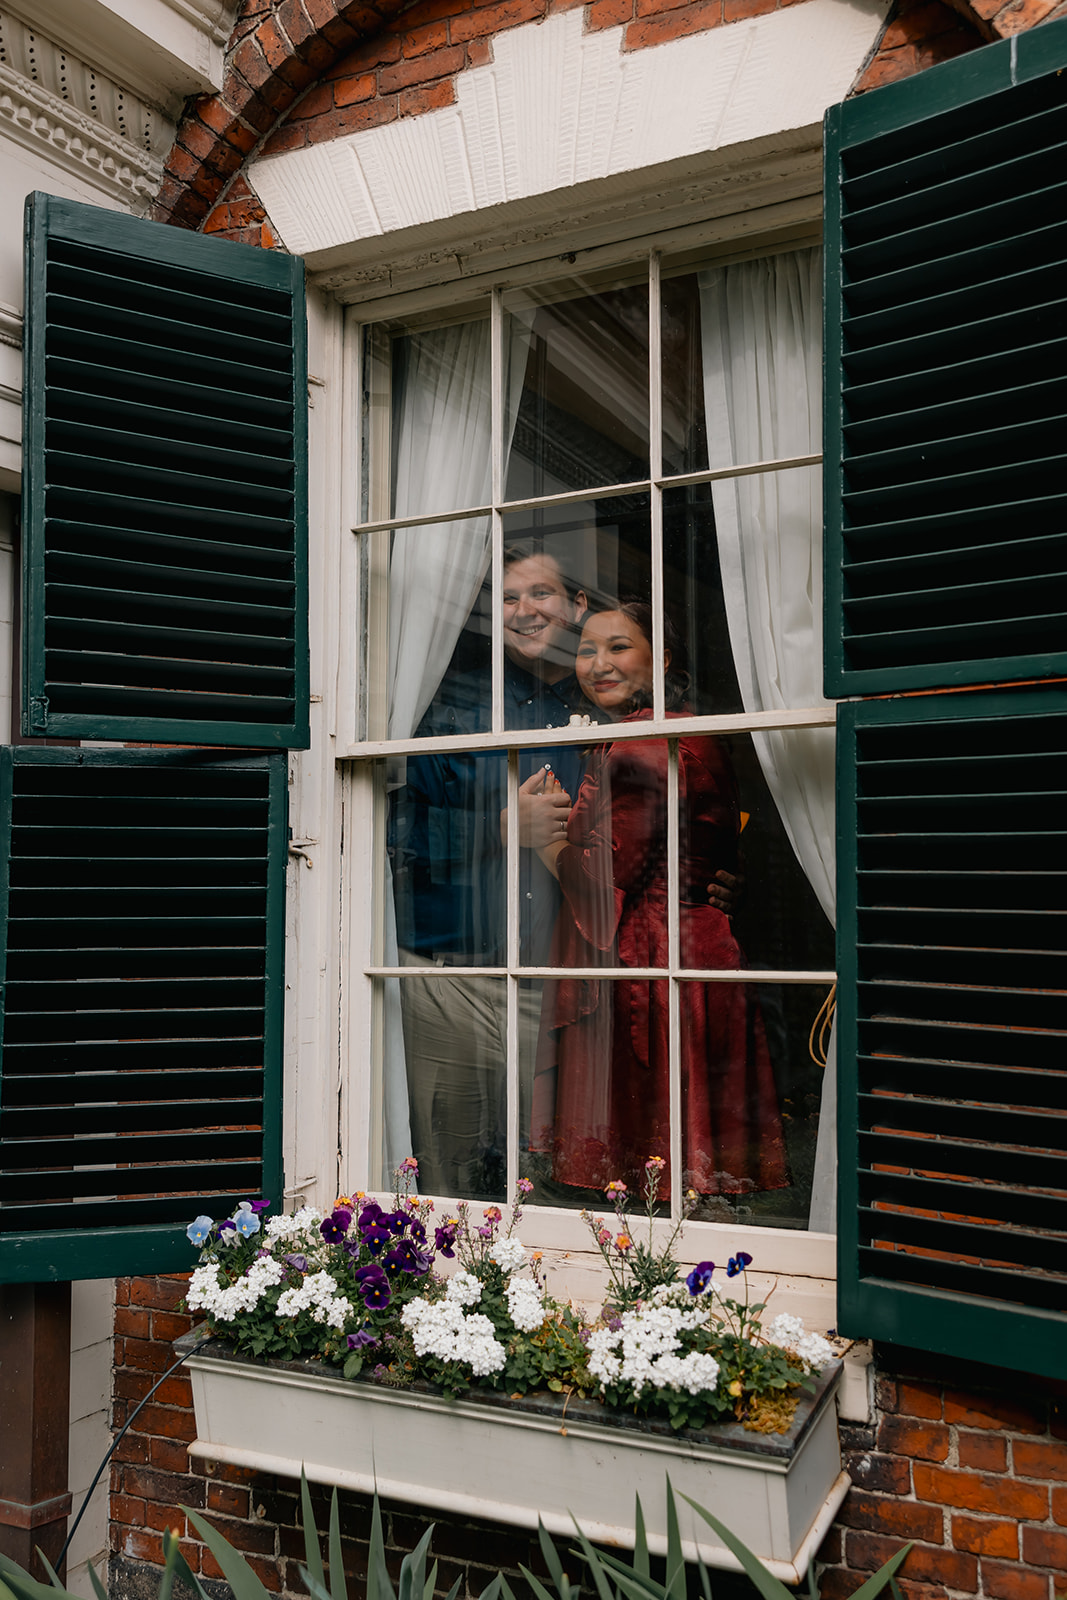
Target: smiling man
[447,846]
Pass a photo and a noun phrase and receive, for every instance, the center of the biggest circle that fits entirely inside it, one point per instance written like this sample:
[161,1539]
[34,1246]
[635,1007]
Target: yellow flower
[735,1388]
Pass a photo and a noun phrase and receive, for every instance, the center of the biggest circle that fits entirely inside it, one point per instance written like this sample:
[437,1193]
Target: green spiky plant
[613,1578]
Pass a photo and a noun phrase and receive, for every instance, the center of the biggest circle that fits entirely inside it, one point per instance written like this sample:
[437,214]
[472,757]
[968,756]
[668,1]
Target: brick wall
[967,1461]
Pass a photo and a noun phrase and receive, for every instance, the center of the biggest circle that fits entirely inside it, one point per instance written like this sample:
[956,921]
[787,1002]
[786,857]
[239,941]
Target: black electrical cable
[116,1441]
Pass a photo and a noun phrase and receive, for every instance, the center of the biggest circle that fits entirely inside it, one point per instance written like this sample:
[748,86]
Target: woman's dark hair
[676,678]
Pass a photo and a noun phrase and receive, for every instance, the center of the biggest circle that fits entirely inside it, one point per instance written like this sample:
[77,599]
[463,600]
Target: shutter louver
[140,1077]
[165,494]
[946,371]
[953,1009]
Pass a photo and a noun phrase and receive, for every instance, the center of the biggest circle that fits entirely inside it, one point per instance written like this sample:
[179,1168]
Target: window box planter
[512,1461]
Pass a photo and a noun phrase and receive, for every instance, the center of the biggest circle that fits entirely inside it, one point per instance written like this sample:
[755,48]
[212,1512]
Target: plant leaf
[552,1561]
[98,1588]
[170,1553]
[317,1590]
[413,1569]
[768,1585]
[705,1580]
[53,1576]
[235,1569]
[379,1583]
[184,1572]
[641,1562]
[878,1580]
[338,1582]
[430,1584]
[675,1558]
[639,1585]
[593,1561]
[312,1553]
[17,1579]
[535,1584]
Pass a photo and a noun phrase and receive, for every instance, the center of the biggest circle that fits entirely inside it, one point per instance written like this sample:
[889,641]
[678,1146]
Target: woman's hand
[543,808]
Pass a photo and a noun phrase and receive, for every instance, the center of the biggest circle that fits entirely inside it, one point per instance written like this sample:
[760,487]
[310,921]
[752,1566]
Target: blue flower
[199,1230]
[245,1220]
[738,1263]
[700,1277]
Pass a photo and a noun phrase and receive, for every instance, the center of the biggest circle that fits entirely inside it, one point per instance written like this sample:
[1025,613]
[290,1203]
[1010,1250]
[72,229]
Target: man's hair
[536,547]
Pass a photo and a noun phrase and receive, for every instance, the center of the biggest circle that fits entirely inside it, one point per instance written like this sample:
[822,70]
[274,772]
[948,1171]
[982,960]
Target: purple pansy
[334,1227]
[374,1287]
[363,1340]
[700,1277]
[445,1240]
[738,1263]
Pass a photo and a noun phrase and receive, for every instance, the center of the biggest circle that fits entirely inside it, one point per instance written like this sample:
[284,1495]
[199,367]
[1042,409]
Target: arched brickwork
[300,71]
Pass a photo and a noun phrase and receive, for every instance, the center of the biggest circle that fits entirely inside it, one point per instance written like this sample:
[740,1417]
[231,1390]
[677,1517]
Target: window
[588,552]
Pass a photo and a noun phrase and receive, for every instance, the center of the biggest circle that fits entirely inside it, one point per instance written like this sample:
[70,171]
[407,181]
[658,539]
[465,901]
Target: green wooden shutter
[952,1025]
[165,484]
[946,374]
[142,894]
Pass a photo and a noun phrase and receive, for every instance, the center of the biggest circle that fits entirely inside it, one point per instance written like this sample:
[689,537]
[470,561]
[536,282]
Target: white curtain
[443,460]
[761,332]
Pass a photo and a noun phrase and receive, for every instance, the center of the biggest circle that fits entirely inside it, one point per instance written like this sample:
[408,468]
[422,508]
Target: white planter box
[491,1457]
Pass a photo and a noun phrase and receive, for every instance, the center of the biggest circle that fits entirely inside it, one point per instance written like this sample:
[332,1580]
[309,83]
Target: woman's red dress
[601,1097]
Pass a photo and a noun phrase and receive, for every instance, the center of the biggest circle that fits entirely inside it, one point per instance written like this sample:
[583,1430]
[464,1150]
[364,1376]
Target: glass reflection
[441,422]
[750,1138]
[580,416]
[449,1033]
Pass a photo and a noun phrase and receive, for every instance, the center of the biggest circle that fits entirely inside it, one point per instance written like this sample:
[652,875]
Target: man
[447,842]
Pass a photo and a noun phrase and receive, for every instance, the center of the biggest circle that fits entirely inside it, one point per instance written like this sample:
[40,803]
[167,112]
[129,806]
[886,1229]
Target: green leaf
[98,1588]
[641,1563]
[705,1580]
[767,1585]
[535,1584]
[379,1584]
[413,1569]
[431,1583]
[184,1572]
[312,1553]
[53,1576]
[552,1561]
[675,1558]
[25,1587]
[235,1569]
[338,1584]
[170,1556]
[317,1590]
[884,1576]
[454,1591]
[593,1561]
[492,1589]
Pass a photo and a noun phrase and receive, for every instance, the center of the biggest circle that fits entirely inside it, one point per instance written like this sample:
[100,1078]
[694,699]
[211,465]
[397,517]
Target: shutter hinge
[39,711]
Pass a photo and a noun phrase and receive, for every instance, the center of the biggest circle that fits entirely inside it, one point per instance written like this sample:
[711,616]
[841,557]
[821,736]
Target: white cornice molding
[10,326]
[44,123]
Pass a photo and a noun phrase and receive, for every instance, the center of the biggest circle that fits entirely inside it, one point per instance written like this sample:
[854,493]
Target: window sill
[543,1458]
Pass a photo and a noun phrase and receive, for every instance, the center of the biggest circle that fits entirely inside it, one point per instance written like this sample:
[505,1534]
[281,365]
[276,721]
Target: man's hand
[725,891]
[544,806]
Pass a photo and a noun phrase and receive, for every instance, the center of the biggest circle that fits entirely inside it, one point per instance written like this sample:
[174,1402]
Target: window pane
[750,1101]
[446,858]
[561,562]
[600,1096]
[439,441]
[743,574]
[742,359]
[577,407]
[444,1046]
[436,671]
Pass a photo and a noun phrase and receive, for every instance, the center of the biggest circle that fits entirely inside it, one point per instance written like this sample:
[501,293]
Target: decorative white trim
[10,326]
[36,118]
[559,110]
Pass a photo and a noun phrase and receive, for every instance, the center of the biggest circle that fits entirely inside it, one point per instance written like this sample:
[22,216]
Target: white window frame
[798,1264]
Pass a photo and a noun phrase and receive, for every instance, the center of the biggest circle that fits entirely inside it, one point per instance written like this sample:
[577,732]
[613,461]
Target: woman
[601,1097]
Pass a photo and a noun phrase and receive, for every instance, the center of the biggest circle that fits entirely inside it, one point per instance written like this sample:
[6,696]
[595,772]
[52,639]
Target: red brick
[972,1491]
[165,1487]
[919,1400]
[122,1291]
[227,1499]
[315,103]
[167,1423]
[495,18]
[423,69]
[1023,14]
[891,67]
[126,1509]
[249,60]
[653,8]
[252,109]
[480,52]
[903,1517]
[986,1538]
[168,1455]
[265,1571]
[1033,1458]
[905,1436]
[992,1411]
[134,1321]
[298,26]
[695,18]
[140,1546]
[608,14]
[146,1355]
[989,1453]
[380,51]
[918,22]
[132,1446]
[431,98]
[952,1568]
[1003,1582]
[835,1583]
[736,10]
[1043,1548]
[291,136]
[886,1474]
[162,1294]
[352,119]
[431,36]
[275,46]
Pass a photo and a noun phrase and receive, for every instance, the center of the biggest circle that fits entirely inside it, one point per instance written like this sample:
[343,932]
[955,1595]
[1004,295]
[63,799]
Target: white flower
[440,1328]
[508,1254]
[526,1307]
[645,1351]
[789,1332]
[225,1301]
[286,1227]
[318,1295]
[463,1289]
